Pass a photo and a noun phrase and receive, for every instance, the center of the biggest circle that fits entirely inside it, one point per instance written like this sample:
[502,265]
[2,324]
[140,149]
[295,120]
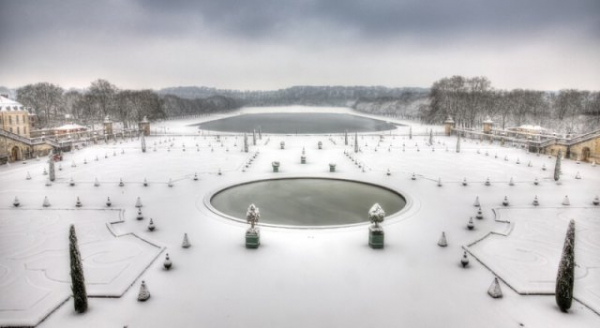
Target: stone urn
[275,166]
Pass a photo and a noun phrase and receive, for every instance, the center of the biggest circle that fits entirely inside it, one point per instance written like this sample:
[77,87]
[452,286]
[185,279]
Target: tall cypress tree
[77,279]
[557,166]
[566,271]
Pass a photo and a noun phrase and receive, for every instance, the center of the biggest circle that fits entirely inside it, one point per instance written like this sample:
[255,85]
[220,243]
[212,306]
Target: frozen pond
[307,201]
[289,123]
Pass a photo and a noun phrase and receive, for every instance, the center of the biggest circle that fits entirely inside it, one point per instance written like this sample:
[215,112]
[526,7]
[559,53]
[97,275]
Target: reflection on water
[307,202]
[290,123]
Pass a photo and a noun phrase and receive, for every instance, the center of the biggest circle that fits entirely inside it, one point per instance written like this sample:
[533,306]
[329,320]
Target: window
[11,131]
[18,130]
[17,118]
[10,121]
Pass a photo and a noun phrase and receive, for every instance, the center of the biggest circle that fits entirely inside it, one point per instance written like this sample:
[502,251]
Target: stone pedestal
[320,145]
[303,159]
[282,145]
[252,238]
[376,237]
[275,166]
[331,167]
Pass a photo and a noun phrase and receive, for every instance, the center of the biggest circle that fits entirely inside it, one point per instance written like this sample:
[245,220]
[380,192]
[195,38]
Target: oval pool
[306,202]
[291,123]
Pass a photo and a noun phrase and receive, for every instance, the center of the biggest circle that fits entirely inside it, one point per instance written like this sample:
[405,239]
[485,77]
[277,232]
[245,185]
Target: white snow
[298,277]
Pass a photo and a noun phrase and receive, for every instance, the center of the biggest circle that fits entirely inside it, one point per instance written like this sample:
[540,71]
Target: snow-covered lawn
[298,277]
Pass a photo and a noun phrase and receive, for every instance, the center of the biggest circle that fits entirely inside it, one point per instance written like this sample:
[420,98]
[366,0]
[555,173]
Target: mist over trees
[54,106]
[470,100]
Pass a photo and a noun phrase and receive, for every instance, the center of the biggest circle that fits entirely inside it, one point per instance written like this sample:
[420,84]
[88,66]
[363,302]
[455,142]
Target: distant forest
[468,100]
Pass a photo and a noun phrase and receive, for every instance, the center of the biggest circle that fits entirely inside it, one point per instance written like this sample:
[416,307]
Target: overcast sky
[258,45]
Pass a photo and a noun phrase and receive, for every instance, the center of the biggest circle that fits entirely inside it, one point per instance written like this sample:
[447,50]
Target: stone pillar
[143,143]
[108,127]
[356,142]
[254,137]
[346,137]
[487,125]
[449,125]
[144,126]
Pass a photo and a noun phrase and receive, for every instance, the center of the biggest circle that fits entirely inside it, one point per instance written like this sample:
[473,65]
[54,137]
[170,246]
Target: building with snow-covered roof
[14,117]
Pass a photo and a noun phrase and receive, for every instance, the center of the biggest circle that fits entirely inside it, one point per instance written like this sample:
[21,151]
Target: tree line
[470,100]
[52,104]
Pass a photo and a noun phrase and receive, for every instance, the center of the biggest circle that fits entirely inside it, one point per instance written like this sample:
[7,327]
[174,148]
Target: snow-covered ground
[298,277]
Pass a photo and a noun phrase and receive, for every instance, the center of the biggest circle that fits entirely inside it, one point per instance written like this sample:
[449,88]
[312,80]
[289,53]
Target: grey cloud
[272,19]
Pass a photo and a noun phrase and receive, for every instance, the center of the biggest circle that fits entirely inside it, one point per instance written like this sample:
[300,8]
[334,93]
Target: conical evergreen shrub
[566,271]
[77,278]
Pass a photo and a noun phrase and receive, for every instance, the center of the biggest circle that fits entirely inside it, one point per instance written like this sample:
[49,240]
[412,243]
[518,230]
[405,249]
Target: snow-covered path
[325,277]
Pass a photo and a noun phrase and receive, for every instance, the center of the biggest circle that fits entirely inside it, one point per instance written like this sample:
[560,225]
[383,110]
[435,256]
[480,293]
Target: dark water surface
[307,202]
[290,123]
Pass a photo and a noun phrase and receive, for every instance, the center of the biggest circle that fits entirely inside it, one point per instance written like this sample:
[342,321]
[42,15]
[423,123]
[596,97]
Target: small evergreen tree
[458,144]
[77,278]
[557,166]
[566,271]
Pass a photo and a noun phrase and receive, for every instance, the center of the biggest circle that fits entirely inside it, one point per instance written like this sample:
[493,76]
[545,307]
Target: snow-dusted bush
[442,242]
[495,291]
[186,242]
[143,294]
[376,214]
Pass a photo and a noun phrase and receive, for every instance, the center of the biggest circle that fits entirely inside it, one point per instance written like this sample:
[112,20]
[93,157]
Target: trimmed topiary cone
[186,241]
[46,202]
[535,201]
[144,294]
[138,202]
[505,201]
[16,202]
[495,291]
[566,201]
[442,242]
